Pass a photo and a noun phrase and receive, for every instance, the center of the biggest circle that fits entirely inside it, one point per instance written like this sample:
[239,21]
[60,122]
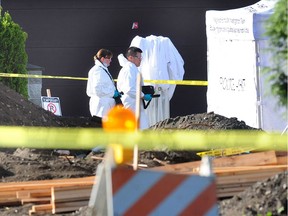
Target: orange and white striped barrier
[121,191]
[146,192]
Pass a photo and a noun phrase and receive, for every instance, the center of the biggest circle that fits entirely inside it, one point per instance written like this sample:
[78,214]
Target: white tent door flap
[232,80]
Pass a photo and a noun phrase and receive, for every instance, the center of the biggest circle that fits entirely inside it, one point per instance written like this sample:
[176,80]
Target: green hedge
[277,30]
[13,57]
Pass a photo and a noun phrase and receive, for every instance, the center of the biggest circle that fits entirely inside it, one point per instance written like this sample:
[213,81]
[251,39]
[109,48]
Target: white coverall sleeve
[127,81]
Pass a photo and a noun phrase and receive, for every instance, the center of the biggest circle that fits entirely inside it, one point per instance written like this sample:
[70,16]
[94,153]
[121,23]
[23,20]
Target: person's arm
[126,81]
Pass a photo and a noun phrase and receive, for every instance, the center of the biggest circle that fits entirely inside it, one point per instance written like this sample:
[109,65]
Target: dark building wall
[63,37]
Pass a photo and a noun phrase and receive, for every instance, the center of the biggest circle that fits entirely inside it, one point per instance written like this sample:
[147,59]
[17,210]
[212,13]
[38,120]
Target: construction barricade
[120,190]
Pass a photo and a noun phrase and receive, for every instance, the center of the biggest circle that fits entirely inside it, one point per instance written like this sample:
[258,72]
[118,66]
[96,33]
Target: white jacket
[126,82]
[100,89]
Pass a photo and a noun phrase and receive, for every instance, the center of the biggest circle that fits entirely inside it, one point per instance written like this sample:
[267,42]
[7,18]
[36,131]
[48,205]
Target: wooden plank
[70,194]
[230,185]
[34,193]
[8,201]
[69,206]
[40,193]
[40,209]
[281,153]
[234,185]
[220,171]
[245,177]
[231,191]
[97,157]
[69,198]
[252,159]
[28,185]
[47,181]
[8,191]
[7,194]
[51,181]
[42,200]
[8,198]
[282,160]
[22,194]
[233,180]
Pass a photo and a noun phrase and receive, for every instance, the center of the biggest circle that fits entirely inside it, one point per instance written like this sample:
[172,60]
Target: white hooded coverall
[161,61]
[127,83]
[100,89]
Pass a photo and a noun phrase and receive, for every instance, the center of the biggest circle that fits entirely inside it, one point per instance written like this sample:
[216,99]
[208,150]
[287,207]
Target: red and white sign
[52,104]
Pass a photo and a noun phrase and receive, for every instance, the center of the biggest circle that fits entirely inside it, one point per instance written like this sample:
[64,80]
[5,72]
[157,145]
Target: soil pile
[268,197]
[31,164]
[15,110]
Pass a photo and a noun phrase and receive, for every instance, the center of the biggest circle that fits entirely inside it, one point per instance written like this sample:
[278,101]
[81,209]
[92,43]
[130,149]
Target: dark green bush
[277,30]
[13,57]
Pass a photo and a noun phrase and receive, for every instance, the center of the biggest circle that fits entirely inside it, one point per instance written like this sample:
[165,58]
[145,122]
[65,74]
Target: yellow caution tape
[179,82]
[225,152]
[40,76]
[175,82]
[83,138]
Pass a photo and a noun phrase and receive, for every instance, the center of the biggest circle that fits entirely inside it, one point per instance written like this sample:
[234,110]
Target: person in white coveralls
[101,87]
[161,61]
[127,82]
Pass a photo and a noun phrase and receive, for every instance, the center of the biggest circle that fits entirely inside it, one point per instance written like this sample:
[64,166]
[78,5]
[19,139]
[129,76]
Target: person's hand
[117,94]
[147,97]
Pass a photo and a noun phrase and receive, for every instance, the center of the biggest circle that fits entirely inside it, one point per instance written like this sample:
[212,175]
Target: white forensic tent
[160,61]
[236,56]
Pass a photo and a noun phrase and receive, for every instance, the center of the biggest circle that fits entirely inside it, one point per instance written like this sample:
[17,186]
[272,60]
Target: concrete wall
[64,35]
[35,84]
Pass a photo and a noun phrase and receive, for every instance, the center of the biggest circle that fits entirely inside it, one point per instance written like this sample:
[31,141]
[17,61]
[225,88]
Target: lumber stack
[233,175]
[236,173]
[48,196]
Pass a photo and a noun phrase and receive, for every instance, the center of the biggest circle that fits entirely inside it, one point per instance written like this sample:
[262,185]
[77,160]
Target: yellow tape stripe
[225,152]
[174,82]
[178,82]
[82,138]
[40,76]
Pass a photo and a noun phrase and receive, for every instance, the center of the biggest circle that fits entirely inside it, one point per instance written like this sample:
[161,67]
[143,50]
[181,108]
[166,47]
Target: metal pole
[258,87]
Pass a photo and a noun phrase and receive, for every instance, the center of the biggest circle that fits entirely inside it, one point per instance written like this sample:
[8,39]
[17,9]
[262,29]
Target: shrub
[276,29]
[13,57]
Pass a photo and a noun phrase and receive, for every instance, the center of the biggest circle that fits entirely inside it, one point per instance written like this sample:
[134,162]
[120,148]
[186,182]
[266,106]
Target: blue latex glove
[147,97]
[116,94]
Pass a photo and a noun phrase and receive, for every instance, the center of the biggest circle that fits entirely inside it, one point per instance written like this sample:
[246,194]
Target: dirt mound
[202,121]
[268,197]
[15,110]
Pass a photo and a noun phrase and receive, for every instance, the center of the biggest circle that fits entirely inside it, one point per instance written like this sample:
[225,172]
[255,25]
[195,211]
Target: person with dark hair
[100,86]
[127,82]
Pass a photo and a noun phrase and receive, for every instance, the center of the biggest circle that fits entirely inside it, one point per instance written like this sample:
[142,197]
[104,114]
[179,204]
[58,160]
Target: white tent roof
[243,23]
